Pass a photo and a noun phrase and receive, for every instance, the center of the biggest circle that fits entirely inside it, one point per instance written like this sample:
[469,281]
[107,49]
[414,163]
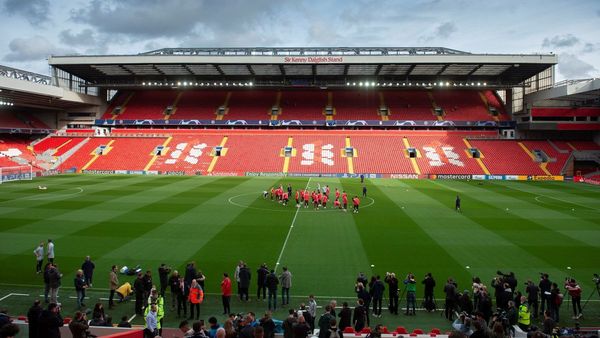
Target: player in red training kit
[324,199]
[336,204]
[345,201]
[306,198]
[337,193]
[285,197]
[297,198]
[355,204]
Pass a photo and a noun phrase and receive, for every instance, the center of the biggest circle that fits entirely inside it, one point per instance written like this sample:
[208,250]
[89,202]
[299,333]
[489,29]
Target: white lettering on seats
[433,156]
[308,154]
[453,157]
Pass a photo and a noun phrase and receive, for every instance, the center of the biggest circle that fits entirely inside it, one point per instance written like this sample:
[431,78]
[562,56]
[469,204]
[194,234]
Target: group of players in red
[319,197]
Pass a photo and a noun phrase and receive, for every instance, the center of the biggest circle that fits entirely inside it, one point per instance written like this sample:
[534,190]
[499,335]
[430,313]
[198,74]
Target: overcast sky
[33,29]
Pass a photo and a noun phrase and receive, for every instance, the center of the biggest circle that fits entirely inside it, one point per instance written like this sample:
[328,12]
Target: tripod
[596,290]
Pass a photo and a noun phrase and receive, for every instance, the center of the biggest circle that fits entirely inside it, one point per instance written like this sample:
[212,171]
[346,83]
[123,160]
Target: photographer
[450,291]
[477,287]
[575,292]
[429,284]
[377,292]
[78,326]
[463,324]
[392,281]
[411,291]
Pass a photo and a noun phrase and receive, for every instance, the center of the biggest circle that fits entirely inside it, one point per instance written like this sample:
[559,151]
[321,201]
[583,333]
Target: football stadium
[356,175]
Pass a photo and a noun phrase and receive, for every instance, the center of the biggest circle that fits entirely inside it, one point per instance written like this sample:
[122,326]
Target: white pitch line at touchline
[558,199]
[289,231]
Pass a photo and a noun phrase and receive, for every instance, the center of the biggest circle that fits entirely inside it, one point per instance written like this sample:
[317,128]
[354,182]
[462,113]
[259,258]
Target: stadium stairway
[444,155]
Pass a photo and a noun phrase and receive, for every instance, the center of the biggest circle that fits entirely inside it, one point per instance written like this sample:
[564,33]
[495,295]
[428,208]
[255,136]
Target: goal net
[17,173]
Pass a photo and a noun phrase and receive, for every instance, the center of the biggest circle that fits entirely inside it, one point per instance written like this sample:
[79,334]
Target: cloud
[571,67]
[35,11]
[149,19]
[442,31]
[561,41]
[590,48]
[35,48]
[84,38]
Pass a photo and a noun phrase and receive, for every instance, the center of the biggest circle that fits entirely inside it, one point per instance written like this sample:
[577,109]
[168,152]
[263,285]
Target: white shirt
[50,250]
[39,253]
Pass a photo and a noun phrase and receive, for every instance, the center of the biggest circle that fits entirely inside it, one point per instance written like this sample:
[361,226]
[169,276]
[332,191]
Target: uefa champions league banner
[307,123]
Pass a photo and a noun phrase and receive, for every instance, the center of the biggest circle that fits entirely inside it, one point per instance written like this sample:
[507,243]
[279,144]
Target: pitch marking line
[537,198]
[14,294]
[55,195]
[289,232]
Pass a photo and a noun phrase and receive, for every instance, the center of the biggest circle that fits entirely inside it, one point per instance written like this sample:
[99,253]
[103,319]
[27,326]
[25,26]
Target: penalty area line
[14,294]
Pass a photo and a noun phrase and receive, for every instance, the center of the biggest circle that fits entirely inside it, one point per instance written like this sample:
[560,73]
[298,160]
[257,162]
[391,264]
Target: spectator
[50,251]
[289,323]
[4,318]
[261,280]
[39,257]
[312,309]
[79,326]
[54,277]
[80,286]
[174,286]
[360,316]
[244,282]
[151,328]
[113,282]
[213,327]
[88,270]
[266,322]
[185,329]
[324,321]
[50,321]
[286,283]
[229,329]
[392,281]
[301,329]
[226,293]
[333,331]
[345,316]
[272,283]
[47,268]
[9,331]
[33,317]
[138,287]
[195,297]
[99,312]
[163,277]
[377,292]
[124,322]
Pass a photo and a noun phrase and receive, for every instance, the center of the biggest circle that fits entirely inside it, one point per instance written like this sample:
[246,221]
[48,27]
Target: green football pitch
[403,226]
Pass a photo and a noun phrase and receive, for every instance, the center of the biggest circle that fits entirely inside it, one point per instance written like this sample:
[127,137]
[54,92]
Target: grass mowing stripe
[535,238]
[289,231]
[98,235]
[561,204]
[395,242]
[465,240]
[248,234]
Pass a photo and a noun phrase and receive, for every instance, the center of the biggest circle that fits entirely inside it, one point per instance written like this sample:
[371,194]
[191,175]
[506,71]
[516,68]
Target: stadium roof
[26,89]
[583,92]
[326,66]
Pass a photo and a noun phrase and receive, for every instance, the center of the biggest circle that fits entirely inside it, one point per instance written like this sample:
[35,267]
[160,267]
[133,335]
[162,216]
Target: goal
[17,173]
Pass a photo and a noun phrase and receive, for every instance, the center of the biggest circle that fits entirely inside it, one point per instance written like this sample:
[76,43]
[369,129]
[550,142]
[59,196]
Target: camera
[596,279]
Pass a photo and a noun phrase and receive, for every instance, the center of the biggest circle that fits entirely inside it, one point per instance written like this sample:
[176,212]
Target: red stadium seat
[418,331]
[349,329]
[401,330]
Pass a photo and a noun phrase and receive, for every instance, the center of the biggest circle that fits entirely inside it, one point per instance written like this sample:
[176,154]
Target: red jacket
[196,295]
[226,287]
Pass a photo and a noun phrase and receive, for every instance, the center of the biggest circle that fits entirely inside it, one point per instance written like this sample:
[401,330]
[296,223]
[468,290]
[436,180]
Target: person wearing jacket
[226,293]
[80,286]
[50,321]
[54,277]
[261,280]
[33,317]
[244,276]
[272,283]
[195,297]
[286,283]
[575,292]
[79,326]
[377,292]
